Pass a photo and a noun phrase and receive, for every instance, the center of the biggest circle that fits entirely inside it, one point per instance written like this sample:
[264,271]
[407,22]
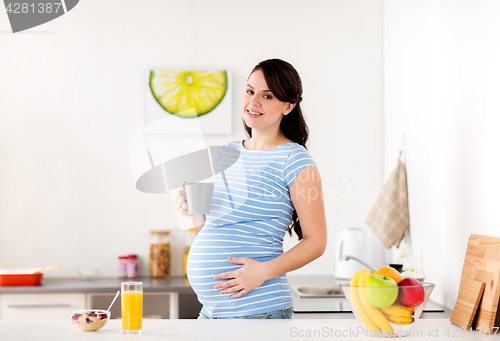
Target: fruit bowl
[389,310]
[90,320]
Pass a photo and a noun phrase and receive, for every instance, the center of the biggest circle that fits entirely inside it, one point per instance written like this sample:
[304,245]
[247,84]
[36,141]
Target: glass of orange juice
[132,307]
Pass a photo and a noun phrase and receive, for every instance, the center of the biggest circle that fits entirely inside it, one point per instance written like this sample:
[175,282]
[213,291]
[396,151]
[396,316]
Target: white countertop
[219,330]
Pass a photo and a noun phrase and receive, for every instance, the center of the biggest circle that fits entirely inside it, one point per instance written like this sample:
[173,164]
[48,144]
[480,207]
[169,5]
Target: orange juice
[132,311]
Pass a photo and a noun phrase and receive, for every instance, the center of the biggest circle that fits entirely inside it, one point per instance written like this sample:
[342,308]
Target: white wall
[441,91]
[72,95]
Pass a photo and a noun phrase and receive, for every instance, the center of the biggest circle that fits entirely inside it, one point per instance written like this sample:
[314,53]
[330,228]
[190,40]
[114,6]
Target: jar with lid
[132,266]
[159,254]
[122,266]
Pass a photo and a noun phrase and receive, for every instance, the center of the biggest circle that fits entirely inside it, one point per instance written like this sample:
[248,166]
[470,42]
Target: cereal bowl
[398,318]
[90,320]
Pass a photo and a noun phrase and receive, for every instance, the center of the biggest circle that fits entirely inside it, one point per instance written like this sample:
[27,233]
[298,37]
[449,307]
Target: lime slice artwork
[178,91]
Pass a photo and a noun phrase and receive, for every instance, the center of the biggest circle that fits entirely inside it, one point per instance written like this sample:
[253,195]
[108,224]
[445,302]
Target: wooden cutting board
[482,264]
[468,299]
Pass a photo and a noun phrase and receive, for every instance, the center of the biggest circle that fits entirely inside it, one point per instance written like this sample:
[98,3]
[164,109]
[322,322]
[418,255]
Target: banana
[373,312]
[398,310]
[401,320]
[356,303]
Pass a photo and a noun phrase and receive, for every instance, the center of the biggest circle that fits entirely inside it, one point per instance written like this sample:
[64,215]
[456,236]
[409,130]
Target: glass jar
[122,266]
[132,266]
[159,254]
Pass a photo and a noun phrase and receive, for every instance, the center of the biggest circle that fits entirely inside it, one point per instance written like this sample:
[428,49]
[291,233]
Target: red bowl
[20,279]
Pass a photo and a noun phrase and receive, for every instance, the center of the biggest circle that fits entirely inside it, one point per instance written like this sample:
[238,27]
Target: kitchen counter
[111,284]
[173,284]
[101,285]
[181,285]
[170,297]
[220,330]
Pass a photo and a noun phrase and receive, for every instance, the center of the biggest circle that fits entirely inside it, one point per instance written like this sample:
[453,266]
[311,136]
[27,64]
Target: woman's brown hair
[285,84]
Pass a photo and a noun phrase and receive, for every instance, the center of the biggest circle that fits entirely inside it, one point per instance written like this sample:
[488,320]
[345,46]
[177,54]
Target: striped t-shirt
[249,217]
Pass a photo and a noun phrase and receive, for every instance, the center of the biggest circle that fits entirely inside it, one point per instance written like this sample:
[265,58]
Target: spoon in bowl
[114,299]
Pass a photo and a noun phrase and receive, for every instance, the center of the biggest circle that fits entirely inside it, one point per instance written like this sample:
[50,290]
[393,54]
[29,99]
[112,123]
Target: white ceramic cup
[199,197]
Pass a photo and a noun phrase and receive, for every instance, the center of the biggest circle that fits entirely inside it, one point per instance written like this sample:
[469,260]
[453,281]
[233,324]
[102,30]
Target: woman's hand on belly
[247,278]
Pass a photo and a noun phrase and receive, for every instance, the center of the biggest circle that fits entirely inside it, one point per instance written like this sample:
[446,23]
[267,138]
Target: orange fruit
[387,271]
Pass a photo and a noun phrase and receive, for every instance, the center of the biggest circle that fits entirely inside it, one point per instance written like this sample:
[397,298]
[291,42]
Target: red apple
[411,292]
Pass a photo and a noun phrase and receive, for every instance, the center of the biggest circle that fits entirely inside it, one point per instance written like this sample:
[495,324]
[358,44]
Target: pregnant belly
[204,263]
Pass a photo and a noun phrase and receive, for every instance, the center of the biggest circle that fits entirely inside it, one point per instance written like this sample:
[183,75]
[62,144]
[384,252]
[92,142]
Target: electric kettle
[352,249]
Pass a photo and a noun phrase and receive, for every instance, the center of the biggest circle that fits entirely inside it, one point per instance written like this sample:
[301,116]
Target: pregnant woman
[236,264]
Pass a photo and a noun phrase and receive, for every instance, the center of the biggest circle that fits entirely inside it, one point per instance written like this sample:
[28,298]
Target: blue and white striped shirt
[249,217]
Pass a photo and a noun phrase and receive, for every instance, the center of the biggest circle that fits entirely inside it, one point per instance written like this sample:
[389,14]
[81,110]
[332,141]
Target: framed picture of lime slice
[188,102]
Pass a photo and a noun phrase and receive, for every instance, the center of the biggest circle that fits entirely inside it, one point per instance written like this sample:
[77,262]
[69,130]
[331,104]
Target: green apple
[381,291]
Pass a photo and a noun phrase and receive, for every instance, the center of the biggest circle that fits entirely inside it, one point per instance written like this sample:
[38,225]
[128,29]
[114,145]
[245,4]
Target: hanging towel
[389,216]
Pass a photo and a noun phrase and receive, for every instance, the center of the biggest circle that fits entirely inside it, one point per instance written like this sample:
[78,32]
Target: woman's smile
[254,114]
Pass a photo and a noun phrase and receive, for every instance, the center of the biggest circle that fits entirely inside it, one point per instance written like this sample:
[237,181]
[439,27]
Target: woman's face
[261,109]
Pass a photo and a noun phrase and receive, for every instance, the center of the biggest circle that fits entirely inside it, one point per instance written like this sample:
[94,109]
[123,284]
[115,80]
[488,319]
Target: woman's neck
[264,141]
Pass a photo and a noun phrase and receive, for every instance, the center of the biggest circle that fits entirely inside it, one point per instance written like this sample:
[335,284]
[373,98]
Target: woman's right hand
[198,220]
[181,202]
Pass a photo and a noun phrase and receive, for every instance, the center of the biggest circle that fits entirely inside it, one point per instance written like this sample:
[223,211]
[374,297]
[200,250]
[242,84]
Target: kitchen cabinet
[39,306]
[156,305]
[167,298]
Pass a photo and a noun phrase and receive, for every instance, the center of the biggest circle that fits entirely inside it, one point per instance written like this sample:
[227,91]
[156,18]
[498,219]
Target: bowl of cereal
[90,320]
